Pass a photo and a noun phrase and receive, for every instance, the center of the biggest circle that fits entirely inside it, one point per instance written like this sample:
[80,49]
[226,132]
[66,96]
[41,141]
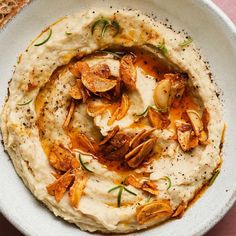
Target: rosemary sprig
[116,26]
[102,22]
[105,24]
[129,191]
[112,189]
[45,40]
[169,182]
[162,47]
[25,103]
[186,42]
[104,29]
[83,165]
[213,178]
[119,196]
[115,54]
[144,113]
[121,188]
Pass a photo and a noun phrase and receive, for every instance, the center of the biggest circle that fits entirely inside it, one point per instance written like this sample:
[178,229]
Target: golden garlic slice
[128,71]
[132,180]
[179,211]
[157,119]
[85,143]
[95,108]
[140,137]
[196,121]
[110,135]
[61,158]
[183,134]
[203,138]
[121,110]
[150,187]
[124,107]
[60,186]
[96,84]
[78,68]
[77,188]
[69,115]
[156,210]
[162,93]
[135,157]
[75,92]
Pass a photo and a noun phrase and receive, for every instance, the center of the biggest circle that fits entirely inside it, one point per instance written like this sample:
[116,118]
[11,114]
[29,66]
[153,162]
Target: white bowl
[212,31]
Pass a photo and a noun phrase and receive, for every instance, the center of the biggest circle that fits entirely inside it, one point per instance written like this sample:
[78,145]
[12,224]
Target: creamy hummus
[112,121]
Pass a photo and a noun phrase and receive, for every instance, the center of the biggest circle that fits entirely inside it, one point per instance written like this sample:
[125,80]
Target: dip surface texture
[112,121]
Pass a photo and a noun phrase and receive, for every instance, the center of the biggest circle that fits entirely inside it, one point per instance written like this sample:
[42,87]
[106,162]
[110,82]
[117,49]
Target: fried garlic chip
[156,210]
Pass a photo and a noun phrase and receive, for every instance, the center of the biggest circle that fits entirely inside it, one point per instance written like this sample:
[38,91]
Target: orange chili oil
[152,66]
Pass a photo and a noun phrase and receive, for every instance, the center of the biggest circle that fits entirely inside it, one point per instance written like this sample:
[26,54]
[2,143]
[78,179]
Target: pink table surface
[227,226]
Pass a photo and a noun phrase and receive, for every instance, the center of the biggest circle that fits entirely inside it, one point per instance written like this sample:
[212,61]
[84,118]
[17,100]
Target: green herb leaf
[116,26]
[45,40]
[102,22]
[148,198]
[129,191]
[148,107]
[119,196]
[105,24]
[104,29]
[213,178]
[162,47]
[169,181]
[83,165]
[121,187]
[25,103]
[114,188]
[144,112]
[68,33]
[115,54]
[186,42]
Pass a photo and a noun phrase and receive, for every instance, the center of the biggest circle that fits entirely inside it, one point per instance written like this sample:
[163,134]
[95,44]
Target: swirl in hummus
[112,121]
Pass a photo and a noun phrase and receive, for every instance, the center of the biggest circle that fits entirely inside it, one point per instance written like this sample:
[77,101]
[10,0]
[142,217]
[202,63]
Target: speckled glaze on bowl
[211,30]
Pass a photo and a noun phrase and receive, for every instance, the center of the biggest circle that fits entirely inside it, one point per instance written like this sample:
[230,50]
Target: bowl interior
[216,37]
